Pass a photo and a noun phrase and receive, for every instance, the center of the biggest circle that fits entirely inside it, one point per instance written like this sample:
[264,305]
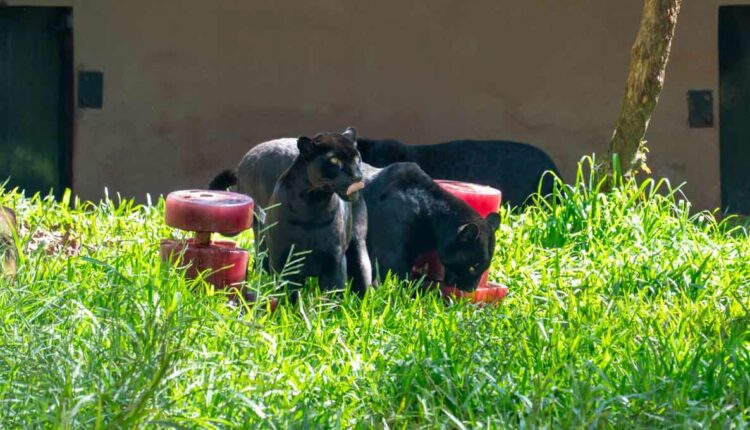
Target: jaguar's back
[512,167]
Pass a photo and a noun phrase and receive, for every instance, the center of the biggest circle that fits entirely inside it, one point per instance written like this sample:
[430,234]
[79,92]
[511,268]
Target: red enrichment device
[484,200]
[205,212]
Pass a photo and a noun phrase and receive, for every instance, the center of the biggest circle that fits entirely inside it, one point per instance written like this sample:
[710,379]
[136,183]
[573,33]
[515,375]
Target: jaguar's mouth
[452,280]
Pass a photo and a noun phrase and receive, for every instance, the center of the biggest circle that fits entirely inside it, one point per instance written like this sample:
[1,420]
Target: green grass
[625,311]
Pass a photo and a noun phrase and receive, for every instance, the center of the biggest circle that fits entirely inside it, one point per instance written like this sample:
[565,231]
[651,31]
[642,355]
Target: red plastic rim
[222,212]
[227,264]
[491,293]
[482,198]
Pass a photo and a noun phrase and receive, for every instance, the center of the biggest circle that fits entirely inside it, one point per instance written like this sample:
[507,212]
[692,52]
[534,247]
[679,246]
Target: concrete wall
[191,85]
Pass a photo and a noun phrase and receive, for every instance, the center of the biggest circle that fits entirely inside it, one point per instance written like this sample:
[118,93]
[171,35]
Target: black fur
[411,214]
[315,213]
[224,180]
[514,168]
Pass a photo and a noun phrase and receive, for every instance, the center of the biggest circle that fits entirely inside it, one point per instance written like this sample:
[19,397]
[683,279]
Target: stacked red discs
[205,212]
[484,200]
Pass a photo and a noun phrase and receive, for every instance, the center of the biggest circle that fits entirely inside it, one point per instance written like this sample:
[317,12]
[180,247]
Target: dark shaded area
[90,89]
[36,100]
[700,108]
[734,72]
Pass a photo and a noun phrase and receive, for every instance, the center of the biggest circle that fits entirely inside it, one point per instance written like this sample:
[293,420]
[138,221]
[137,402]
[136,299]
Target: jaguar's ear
[305,145]
[467,232]
[493,221]
[351,135]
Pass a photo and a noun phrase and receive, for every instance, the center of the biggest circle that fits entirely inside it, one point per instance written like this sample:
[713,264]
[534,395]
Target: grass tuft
[626,310]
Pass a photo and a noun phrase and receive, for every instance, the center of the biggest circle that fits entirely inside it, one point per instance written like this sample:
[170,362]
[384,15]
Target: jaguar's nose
[356,175]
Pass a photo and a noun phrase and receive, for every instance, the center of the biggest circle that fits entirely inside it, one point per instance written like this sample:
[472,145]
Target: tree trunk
[8,250]
[648,61]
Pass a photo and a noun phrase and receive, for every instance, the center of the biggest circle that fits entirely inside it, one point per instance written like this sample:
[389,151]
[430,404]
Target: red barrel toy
[484,200]
[205,212]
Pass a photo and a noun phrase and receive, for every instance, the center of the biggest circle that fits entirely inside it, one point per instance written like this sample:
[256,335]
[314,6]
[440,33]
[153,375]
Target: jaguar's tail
[223,180]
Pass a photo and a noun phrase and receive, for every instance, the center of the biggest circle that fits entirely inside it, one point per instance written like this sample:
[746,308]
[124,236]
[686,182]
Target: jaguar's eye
[334,160]
[473,269]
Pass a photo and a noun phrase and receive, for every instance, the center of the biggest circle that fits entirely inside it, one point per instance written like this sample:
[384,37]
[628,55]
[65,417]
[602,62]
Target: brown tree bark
[648,61]
[8,251]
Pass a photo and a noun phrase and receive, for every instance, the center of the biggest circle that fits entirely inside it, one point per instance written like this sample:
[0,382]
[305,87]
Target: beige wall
[190,85]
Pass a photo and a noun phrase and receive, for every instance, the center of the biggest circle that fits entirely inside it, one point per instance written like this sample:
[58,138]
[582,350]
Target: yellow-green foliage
[625,311]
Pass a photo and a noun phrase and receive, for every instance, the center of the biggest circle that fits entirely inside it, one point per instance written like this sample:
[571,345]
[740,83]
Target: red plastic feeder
[484,200]
[489,292]
[205,212]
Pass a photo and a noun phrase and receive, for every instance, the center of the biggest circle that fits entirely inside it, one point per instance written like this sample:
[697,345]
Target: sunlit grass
[626,310]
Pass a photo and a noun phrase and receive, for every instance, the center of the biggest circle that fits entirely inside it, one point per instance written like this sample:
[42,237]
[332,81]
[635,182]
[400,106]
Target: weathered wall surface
[191,85]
